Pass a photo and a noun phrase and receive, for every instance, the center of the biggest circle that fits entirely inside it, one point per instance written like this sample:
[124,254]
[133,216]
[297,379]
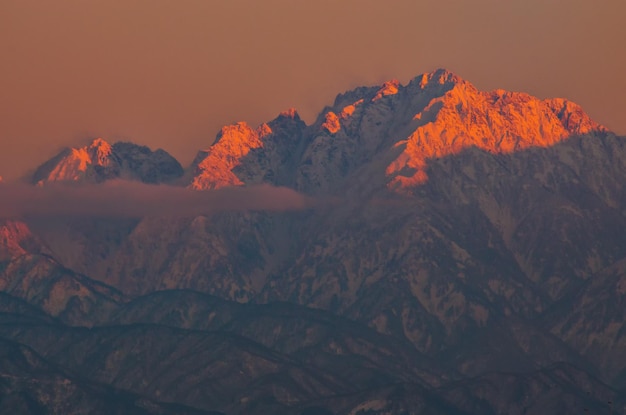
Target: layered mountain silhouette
[463,252]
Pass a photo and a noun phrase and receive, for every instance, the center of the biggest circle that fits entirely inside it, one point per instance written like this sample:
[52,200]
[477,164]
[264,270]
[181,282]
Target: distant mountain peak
[245,155]
[214,166]
[388,132]
[100,161]
[72,164]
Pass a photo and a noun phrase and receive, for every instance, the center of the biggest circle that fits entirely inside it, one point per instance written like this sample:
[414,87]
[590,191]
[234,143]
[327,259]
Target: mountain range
[461,252]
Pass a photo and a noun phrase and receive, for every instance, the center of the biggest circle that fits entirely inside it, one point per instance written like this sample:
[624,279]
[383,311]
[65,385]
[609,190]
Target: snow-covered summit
[100,161]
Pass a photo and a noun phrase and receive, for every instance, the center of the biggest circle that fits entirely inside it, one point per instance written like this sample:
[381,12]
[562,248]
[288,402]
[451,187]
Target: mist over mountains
[419,248]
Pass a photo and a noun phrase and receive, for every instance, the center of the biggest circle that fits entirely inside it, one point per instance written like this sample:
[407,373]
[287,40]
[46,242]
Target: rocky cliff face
[454,235]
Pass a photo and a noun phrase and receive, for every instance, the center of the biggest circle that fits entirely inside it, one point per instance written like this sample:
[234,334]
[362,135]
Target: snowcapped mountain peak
[497,122]
[72,164]
[239,132]
[434,83]
[245,155]
[383,137]
[100,161]
[99,152]
[213,167]
[237,139]
[100,144]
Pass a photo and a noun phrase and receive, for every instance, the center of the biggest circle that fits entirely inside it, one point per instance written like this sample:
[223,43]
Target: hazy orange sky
[170,73]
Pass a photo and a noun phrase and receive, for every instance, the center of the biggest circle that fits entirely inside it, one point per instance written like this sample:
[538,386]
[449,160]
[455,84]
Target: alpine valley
[455,252]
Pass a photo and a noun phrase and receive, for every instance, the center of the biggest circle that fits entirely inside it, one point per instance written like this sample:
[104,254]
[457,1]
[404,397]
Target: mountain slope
[326,363]
[482,232]
[30,385]
[29,271]
[593,320]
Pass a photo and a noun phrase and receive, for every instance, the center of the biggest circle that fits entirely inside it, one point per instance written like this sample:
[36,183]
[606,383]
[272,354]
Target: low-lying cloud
[130,199]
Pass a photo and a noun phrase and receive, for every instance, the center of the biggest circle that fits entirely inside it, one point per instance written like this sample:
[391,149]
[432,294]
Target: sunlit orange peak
[99,152]
[496,122]
[388,88]
[214,169]
[99,142]
[236,134]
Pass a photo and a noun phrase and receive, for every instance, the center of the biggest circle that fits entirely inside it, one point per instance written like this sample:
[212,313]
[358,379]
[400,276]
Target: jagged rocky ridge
[479,232]
[385,135]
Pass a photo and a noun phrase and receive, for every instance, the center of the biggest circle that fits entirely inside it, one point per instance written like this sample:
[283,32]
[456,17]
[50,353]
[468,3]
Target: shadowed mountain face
[463,252]
[30,385]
